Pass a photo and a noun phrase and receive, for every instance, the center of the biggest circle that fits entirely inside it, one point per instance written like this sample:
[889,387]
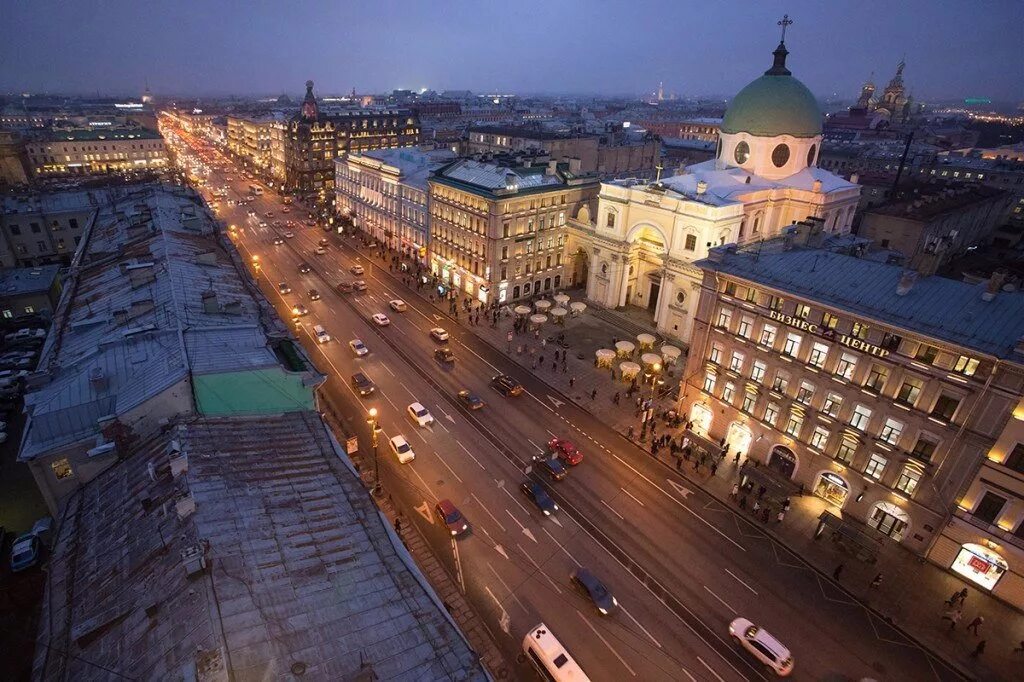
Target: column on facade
[665,294]
[623,280]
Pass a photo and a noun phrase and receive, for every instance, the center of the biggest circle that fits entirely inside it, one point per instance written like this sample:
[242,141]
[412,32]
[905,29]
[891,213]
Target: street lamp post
[655,370]
[374,428]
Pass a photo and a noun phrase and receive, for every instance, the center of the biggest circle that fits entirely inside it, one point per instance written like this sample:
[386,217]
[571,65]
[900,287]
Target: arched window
[743,228]
[757,224]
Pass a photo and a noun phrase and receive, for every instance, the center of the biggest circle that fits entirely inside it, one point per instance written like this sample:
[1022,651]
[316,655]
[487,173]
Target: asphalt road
[681,565]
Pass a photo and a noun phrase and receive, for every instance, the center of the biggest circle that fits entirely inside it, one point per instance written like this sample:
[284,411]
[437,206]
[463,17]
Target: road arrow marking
[437,318]
[504,621]
[558,403]
[424,510]
[526,531]
[556,521]
[500,550]
[528,534]
[679,489]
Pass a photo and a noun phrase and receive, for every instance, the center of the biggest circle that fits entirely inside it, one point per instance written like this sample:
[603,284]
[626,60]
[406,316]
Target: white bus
[255,189]
[551,660]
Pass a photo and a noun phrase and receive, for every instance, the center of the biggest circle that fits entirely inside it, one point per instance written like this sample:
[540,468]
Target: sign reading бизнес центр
[845,339]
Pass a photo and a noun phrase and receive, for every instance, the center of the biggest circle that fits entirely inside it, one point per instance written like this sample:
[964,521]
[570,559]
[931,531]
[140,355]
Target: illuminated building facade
[80,151]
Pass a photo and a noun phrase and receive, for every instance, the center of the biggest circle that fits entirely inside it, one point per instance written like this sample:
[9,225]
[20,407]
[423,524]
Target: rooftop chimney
[906,282]
[702,187]
[575,165]
[209,301]
[995,283]
[855,178]
[552,168]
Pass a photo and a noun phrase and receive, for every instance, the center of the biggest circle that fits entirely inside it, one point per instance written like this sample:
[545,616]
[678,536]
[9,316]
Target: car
[356,270]
[398,305]
[358,347]
[313,295]
[25,552]
[362,383]
[592,588]
[268,214]
[304,268]
[381,320]
[262,224]
[565,450]
[321,334]
[535,491]
[506,385]
[439,335]
[451,517]
[552,466]
[289,234]
[444,355]
[286,210]
[420,414]
[250,213]
[344,287]
[278,241]
[311,223]
[323,241]
[300,310]
[762,645]
[470,399]
[403,451]
[283,288]
[359,285]
[320,251]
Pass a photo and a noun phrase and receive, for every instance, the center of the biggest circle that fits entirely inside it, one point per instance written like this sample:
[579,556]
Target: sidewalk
[913,591]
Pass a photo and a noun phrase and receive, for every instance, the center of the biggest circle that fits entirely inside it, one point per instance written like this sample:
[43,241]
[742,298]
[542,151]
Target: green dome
[774,104]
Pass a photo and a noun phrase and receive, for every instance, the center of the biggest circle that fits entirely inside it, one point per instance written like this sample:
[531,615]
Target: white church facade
[637,252]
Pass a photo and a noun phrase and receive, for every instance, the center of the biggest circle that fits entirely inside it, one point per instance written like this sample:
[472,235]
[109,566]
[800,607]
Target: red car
[566,451]
[451,517]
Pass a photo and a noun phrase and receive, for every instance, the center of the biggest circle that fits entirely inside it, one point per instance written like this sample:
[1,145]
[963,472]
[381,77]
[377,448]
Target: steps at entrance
[630,327]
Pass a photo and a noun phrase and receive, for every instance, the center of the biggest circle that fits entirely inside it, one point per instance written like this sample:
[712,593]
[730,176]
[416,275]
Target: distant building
[384,193]
[28,291]
[498,228]
[930,225]
[42,228]
[249,138]
[12,159]
[700,128]
[91,151]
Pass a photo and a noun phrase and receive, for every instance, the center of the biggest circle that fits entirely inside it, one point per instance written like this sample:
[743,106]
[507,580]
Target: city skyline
[115,48]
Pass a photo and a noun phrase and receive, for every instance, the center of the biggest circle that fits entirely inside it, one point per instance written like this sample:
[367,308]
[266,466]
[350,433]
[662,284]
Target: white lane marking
[388,369]
[609,507]
[710,669]
[559,545]
[426,486]
[539,569]
[608,645]
[539,448]
[740,581]
[511,497]
[449,468]
[687,672]
[557,403]
[470,455]
[719,599]
[526,531]
[484,507]
[685,492]
[390,401]
[633,496]
[656,642]
[504,621]
[507,588]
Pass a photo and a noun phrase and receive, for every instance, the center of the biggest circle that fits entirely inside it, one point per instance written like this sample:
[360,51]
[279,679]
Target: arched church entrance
[641,292]
[580,269]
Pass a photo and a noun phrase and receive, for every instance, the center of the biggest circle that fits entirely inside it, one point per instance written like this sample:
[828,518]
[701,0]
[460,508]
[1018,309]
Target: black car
[470,400]
[540,497]
[444,355]
[304,268]
[362,383]
[551,465]
[592,588]
[506,385]
[313,294]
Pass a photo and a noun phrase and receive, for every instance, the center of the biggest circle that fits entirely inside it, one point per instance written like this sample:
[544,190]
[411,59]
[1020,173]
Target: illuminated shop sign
[845,339]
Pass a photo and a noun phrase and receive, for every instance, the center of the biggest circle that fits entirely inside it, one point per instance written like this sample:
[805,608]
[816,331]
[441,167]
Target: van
[321,334]
[550,659]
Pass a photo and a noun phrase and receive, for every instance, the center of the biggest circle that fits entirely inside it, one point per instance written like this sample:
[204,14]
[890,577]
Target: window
[730,288]
[829,321]
[750,295]
[749,400]
[891,431]
[771,413]
[781,382]
[715,355]
[819,351]
[724,318]
[768,335]
[876,378]
[861,417]
[860,331]
[610,222]
[875,467]
[965,365]
[746,324]
[61,469]
[945,407]
[792,346]
[833,403]
[741,153]
[690,244]
[908,480]
[35,228]
[709,382]
[990,507]
[909,392]
[794,424]
[805,393]
[924,449]
[801,311]
[847,365]
[775,303]
[736,362]
[926,353]
[757,371]
[1015,460]
[891,341]
[728,392]
[819,438]
[780,155]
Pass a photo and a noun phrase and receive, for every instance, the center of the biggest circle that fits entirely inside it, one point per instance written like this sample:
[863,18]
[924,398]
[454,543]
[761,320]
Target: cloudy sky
[953,48]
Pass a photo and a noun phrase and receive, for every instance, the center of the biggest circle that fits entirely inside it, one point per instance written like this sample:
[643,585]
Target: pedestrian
[541,359]
[714,468]
[764,515]
[978,650]
[629,432]
[761,491]
[876,581]
[535,363]
[757,507]
[782,515]
[398,526]
[963,596]
[554,366]
[679,463]
[593,394]
[564,367]
[735,490]
[837,573]
[953,617]
[615,398]
[743,502]
[544,343]
[736,459]
[786,503]
[556,355]
[686,442]
[975,624]
[572,380]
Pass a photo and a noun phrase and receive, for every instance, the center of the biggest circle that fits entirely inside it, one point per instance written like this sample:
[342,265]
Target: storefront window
[832,488]
[980,565]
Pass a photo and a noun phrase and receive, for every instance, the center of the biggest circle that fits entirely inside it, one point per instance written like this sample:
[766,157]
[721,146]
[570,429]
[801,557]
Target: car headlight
[547,513]
[464,526]
[455,532]
[604,612]
[615,602]
[556,507]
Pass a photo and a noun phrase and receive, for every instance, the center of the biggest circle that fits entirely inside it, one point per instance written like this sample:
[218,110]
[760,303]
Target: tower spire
[784,23]
[779,66]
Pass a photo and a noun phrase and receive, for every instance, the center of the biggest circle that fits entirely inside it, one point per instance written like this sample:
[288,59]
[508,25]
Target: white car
[398,305]
[321,334]
[381,320]
[762,645]
[356,270]
[289,234]
[320,251]
[400,446]
[420,414]
[358,347]
[439,335]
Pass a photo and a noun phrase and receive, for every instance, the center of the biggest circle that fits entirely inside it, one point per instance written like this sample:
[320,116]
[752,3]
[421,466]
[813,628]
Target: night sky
[953,48]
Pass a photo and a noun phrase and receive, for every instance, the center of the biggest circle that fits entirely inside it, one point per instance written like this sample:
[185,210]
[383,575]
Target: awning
[777,486]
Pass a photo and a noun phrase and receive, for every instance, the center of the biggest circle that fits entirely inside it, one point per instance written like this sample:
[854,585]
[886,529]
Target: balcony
[990,528]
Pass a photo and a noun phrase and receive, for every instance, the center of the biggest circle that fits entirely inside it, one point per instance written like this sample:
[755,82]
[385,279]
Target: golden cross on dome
[786,21]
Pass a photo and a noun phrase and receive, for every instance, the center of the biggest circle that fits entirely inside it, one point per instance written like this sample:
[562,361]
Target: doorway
[832,488]
[738,437]
[652,298]
[890,520]
[782,460]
